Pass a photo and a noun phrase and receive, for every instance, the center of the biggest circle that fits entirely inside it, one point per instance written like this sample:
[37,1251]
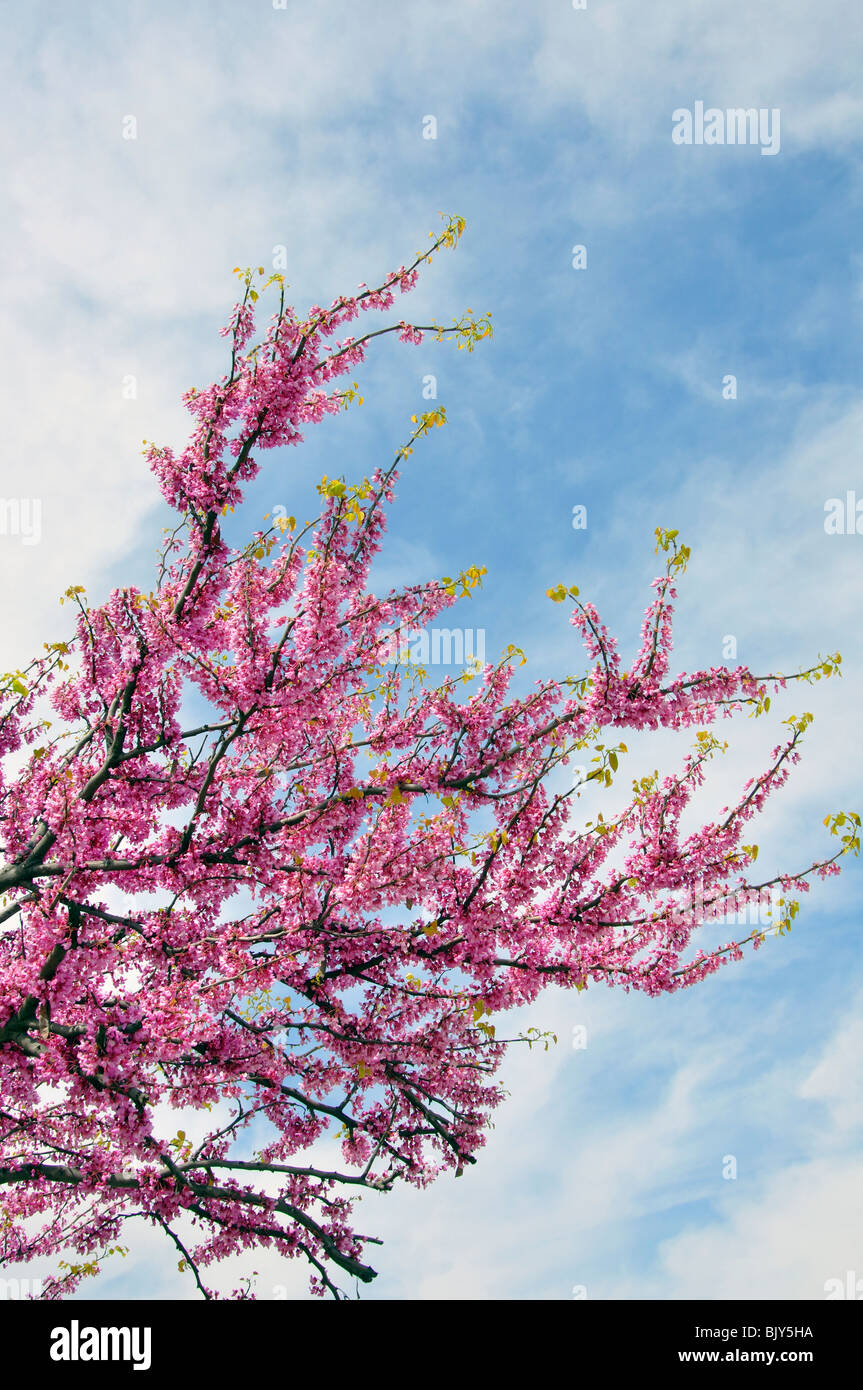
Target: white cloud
[837,1080]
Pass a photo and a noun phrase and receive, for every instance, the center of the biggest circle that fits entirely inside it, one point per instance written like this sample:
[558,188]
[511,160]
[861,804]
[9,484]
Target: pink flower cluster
[299,917]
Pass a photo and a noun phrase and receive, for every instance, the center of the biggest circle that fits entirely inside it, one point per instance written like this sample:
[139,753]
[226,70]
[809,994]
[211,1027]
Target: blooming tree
[298,915]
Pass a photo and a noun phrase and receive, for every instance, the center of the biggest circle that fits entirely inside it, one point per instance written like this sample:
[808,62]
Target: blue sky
[602,387]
